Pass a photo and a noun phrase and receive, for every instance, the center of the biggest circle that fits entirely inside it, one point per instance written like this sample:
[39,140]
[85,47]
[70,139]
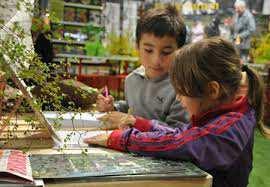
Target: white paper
[74,139]
[72,120]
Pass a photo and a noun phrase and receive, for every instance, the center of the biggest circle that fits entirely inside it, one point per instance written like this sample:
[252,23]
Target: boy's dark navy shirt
[219,141]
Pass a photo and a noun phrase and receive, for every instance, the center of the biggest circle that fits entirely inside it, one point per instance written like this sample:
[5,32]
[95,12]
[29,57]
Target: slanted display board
[110,164]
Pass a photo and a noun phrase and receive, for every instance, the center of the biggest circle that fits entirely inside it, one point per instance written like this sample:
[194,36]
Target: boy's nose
[157,60]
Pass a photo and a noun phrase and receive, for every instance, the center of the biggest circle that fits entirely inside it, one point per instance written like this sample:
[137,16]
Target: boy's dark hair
[162,22]
[214,59]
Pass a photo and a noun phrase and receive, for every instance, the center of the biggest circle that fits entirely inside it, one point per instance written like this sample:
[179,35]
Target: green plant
[94,46]
[121,45]
[32,70]
[261,48]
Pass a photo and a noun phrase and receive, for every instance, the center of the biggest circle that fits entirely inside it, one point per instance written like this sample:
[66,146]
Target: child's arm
[212,146]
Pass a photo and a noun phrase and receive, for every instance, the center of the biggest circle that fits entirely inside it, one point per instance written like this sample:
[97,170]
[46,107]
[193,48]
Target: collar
[141,72]
[240,104]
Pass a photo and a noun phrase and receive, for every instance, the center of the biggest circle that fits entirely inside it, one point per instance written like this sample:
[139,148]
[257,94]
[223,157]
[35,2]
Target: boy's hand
[115,120]
[100,139]
[105,104]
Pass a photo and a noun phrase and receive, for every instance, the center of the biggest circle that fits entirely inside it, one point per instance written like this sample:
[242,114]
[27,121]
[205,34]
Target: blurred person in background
[197,31]
[243,27]
[212,29]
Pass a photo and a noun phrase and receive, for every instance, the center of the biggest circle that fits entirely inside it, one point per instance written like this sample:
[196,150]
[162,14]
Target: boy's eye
[148,50]
[165,53]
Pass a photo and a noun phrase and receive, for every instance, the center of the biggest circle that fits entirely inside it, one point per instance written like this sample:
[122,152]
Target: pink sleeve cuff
[142,124]
[114,140]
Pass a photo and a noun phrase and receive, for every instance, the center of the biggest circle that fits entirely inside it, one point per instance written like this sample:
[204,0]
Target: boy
[148,91]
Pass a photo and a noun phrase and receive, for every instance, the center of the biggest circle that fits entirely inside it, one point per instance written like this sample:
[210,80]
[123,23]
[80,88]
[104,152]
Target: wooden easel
[42,135]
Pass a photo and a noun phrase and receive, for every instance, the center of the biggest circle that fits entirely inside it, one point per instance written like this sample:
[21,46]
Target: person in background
[212,29]
[43,47]
[206,76]
[243,28]
[197,32]
[148,91]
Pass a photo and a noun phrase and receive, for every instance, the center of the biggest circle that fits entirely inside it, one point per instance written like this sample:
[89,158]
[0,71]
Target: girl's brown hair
[214,59]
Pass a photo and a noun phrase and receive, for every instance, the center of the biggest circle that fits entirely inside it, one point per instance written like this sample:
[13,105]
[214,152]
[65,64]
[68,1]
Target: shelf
[68,42]
[73,23]
[97,58]
[92,61]
[78,5]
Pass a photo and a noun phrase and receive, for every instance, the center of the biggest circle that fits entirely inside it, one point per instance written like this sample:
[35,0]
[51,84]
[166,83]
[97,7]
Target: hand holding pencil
[105,101]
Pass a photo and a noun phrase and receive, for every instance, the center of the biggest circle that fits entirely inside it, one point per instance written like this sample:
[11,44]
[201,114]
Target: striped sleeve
[215,145]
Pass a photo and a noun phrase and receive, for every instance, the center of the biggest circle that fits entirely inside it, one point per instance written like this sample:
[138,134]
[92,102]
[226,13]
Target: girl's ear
[213,90]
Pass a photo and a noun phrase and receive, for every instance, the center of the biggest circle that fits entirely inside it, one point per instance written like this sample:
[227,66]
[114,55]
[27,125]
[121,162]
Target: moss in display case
[82,95]
[73,49]
[108,163]
[96,2]
[70,14]
[95,17]
[58,31]
[82,15]
[58,48]
[86,2]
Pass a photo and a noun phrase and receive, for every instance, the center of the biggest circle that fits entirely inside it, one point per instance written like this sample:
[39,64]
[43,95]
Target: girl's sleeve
[214,146]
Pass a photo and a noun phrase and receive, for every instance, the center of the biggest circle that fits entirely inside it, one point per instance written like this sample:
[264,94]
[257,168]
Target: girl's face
[197,105]
[156,54]
[194,105]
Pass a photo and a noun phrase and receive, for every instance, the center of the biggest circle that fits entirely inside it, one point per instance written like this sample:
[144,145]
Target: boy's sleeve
[121,106]
[214,146]
[176,116]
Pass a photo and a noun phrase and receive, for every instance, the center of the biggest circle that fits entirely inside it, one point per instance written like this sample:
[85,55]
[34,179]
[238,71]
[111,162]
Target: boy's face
[156,54]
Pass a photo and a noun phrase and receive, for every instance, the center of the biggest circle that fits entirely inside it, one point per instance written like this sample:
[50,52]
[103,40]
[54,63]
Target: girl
[206,77]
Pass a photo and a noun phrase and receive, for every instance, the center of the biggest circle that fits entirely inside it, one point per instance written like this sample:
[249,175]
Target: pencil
[106,91]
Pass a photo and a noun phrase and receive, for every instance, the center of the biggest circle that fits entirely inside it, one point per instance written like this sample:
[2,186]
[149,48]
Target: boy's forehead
[153,40]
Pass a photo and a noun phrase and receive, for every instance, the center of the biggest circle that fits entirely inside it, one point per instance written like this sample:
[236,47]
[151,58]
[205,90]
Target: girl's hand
[115,120]
[100,139]
[105,104]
